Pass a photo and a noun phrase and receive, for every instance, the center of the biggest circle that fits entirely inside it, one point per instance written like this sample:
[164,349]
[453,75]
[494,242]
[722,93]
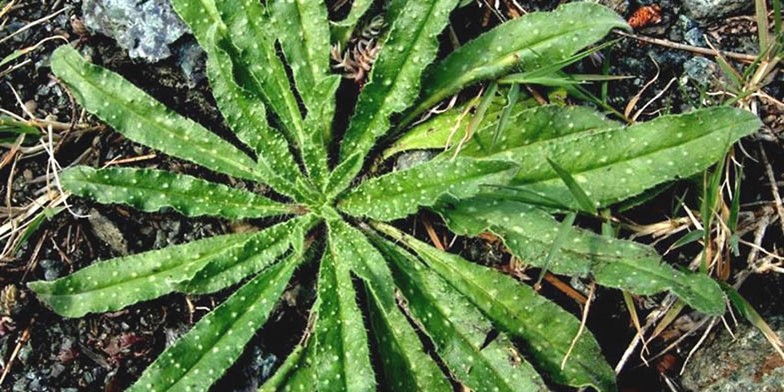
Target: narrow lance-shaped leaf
[450,128]
[343,356]
[462,336]
[406,366]
[613,163]
[116,283]
[254,256]
[143,119]
[394,81]
[529,232]
[404,191]
[259,69]
[297,372]
[200,357]
[302,29]
[247,117]
[531,41]
[518,310]
[151,190]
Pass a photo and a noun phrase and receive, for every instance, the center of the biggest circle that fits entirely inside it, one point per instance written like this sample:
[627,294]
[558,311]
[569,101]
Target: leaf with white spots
[406,367]
[394,81]
[247,117]
[342,352]
[255,255]
[463,338]
[302,28]
[200,357]
[258,67]
[151,190]
[529,232]
[116,283]
[534,40]
[612,164]
[519,311]
[144,120]
[398,194]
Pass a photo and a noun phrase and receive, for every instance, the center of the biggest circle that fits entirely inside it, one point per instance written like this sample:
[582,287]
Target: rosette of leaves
[436,320]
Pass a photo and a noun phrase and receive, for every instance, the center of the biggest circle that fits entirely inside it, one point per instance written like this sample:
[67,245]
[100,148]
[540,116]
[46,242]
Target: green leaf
[529,232]
[546,328]
[259,68]
[462,336]
[398,194]
[302,29]
[612,163]
[343,356]
[582,199]
[144,120]
[341,30]
[151,190]
[254,256]
[282,375]
[406,366]
[200,357]
[247,117]
[116,283]
[394,81]
[531,41]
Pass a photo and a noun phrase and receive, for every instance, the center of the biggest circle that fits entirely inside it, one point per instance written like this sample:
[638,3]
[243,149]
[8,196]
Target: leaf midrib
[599,165]
[190,123]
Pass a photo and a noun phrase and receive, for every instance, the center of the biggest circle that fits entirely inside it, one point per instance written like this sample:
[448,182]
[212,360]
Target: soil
[41,351]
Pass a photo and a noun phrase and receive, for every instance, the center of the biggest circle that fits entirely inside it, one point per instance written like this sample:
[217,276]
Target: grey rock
[144,28]
[707,11]
[108,232]
[747,363]
[619,6]
[700,70]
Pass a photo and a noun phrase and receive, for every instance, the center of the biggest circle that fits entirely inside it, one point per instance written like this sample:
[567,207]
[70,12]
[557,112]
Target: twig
[773,187]
[22,340]
[582,324]
[696,49]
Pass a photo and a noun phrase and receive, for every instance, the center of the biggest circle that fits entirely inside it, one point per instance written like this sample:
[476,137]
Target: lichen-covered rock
[707,11]
[747,363]
[144,28]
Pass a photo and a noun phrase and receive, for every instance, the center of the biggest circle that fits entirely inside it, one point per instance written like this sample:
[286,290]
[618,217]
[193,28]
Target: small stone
[108,232]
[143,28]
[747,363]
[700,70]
[708,11]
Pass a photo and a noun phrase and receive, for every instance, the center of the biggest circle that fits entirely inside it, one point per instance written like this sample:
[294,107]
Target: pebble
[144,28]
[709,11]
[746,363]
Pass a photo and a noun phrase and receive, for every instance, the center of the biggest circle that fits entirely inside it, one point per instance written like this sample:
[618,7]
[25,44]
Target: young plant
[437,319]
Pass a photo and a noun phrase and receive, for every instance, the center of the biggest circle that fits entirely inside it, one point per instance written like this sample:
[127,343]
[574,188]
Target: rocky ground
[40,351]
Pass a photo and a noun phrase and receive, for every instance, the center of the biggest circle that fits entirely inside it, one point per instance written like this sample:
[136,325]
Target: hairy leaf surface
[404,191]
[247,116]
[217,340]
[142,119]
[529,232]
[258,253]
[116,283]
[303,32]
[547,329]
[614,163]
[343,356]
[394,81]
[540,38]
[461,334]
[406,366]
[152,190]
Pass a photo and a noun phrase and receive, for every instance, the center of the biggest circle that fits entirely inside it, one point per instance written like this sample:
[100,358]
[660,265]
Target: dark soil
[41,351]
